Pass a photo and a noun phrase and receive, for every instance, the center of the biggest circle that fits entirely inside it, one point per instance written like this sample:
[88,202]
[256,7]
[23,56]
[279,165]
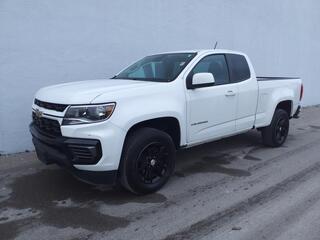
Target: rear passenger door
[211,111]
[247,88]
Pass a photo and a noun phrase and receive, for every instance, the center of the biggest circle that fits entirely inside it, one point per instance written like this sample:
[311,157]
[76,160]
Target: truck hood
[85,92]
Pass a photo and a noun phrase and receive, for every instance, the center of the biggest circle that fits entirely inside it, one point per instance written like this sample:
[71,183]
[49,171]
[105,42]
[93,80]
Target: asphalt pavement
[234,188]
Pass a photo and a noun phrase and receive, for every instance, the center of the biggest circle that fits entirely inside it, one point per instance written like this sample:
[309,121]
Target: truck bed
[275,86]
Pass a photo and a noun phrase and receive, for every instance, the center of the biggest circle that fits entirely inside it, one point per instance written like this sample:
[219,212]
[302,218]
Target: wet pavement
[234,188]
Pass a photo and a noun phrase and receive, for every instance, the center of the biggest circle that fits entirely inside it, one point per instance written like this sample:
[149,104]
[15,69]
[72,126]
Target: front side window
[215,64]
[157,68]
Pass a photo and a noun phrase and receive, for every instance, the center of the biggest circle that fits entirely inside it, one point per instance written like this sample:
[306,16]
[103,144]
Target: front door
[211,111]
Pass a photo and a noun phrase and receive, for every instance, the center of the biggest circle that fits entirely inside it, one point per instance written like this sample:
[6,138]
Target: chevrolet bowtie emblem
[38,113]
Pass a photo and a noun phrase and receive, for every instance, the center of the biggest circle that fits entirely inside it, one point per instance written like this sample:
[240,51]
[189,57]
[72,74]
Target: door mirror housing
[200,80]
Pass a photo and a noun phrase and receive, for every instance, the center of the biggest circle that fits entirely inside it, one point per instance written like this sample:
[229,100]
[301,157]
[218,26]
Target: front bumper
[67,152]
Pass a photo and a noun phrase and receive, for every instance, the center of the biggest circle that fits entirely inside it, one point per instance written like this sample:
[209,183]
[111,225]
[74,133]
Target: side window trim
[189,79]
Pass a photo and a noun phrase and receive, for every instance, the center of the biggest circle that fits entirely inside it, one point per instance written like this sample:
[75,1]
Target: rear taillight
[301,92]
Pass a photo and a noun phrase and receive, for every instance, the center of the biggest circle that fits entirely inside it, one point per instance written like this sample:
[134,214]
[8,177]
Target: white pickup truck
[126,129]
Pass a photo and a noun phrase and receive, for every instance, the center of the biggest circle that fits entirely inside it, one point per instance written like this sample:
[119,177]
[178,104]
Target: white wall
[44,42]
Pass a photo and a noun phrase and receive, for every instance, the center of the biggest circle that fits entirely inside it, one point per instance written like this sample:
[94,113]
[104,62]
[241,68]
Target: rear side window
[215,64]
[238,68]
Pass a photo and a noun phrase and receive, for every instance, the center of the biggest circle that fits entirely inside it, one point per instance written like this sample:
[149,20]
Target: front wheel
[148,161]
[276,133]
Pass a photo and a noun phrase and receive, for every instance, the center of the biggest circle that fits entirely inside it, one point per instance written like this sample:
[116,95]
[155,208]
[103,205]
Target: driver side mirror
[200,80]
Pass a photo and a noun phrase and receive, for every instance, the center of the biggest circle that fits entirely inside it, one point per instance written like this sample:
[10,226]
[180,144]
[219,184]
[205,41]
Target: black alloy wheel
[153,162]
[281,130]
[276,133]
[147,161]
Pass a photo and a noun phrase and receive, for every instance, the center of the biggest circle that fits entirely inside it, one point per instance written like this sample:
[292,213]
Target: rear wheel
[148,161]
[276,133]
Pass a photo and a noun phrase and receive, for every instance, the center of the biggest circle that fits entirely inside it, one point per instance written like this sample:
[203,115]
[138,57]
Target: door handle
[230,93]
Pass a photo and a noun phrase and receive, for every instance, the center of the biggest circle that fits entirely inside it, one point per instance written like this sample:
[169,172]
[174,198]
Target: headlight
[88,113]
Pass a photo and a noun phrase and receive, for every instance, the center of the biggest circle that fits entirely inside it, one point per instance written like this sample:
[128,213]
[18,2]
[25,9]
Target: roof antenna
[215,45]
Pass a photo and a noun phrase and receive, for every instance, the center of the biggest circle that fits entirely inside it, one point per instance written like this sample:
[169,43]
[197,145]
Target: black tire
[147,161]
[276,133]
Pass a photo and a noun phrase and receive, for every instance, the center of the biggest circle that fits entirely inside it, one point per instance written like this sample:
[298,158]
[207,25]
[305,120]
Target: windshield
[157,68]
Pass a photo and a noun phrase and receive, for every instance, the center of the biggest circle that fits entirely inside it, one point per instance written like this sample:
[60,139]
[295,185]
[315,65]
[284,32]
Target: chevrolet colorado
[126,129]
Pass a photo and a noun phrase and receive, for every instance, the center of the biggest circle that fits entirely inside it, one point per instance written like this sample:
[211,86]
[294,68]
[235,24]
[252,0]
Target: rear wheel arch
[285,105]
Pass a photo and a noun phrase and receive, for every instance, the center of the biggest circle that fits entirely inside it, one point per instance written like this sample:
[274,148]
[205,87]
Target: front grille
[51,106]
[46,125]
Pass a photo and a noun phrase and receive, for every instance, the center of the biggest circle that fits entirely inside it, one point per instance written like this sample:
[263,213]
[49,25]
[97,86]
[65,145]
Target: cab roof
[205,51]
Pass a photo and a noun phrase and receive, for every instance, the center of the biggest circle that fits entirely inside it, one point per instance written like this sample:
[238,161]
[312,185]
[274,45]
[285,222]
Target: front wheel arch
[169,125]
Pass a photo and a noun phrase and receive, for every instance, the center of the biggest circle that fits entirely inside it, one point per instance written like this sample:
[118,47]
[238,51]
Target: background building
[45,42]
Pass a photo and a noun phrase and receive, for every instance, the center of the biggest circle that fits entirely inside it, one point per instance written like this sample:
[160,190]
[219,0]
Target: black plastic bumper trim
[96,177]
[58,150]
